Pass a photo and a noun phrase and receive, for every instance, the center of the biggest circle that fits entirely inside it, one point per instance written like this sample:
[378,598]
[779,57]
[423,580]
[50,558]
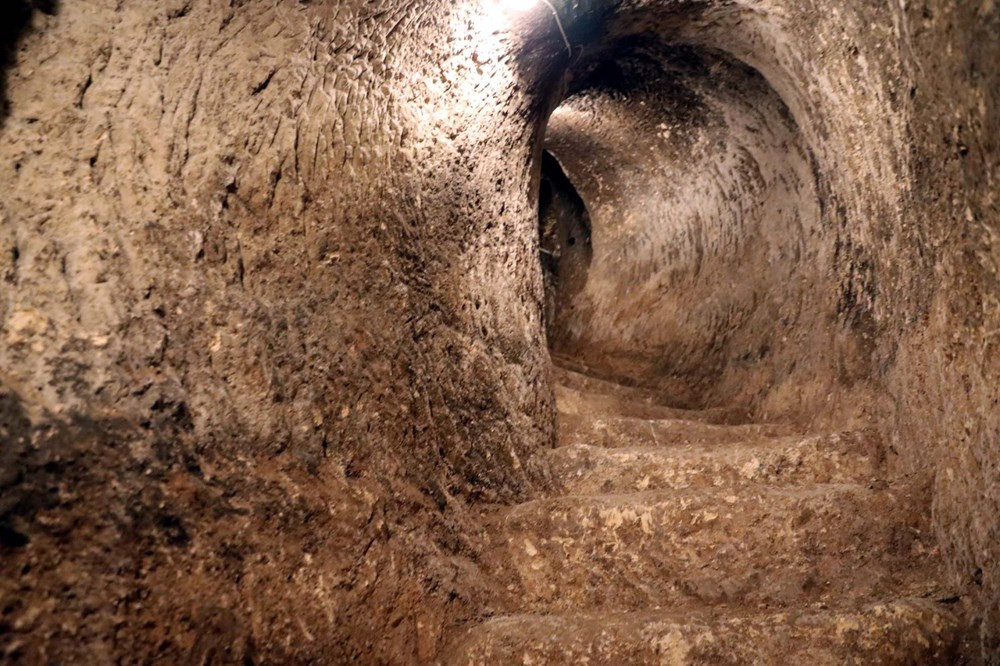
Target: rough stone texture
[271,327]
[719,566]
[565,243]
[707,233]
[274,315]
[825,638]
[752,545]
[895,109]
[947,367]
[837,458]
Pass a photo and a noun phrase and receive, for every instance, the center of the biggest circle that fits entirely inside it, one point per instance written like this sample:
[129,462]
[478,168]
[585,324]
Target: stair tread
[836,457]
[580,401]
[688,536]
[655,547]
[719,493]
[571,378]
[897,631]
[620,431]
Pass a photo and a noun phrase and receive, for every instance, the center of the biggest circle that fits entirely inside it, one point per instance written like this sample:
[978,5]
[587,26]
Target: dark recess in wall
[15,20]
[565,241]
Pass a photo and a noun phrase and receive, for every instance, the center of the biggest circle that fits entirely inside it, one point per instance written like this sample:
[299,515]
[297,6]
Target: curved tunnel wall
[708,243]
[565,241]
[808,137]
[895,331]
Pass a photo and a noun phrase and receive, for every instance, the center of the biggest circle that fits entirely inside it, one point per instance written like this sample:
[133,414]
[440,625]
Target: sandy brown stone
[837,458]
[912,632]
[274,328]
[684,552]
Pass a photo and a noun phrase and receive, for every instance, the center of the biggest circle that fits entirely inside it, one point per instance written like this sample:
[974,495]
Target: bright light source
[511,6]
[518,5]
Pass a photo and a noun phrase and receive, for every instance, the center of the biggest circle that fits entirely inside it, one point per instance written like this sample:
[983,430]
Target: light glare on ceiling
[511,6]
[518,5]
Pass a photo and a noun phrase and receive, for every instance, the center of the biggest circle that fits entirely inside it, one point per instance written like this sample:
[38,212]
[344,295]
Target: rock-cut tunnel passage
[500,332]
[686,246]
[698,193]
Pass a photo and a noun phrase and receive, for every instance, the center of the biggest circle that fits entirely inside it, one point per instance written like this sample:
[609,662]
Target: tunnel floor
[694,536]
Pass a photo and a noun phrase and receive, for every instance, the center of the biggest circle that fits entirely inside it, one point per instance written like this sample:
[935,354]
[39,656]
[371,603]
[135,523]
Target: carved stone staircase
[684,537]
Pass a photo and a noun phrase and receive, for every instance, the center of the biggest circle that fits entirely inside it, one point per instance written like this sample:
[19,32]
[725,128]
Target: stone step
[578,401]
[759,545]
[895,633]
[620,431]
[578,376]
[833,458]
[579,380]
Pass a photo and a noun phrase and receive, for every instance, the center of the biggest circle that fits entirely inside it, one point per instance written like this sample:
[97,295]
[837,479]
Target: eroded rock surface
[273,327]
[762,549]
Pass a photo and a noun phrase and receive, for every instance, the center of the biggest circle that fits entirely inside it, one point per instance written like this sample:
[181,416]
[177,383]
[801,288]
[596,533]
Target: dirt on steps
[580,392]
[756,545]
[683,538]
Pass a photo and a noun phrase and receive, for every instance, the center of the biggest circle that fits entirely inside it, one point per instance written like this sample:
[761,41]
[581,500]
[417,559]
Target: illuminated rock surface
[279,282]
[698,551]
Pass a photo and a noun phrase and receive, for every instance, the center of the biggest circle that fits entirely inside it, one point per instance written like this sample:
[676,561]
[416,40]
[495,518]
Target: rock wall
[270,321]
[945,373]
[716,278]
[708,241]
[272,317]
[564,229]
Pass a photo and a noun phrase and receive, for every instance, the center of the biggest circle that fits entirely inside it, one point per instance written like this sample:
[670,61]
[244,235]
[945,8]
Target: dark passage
[564,229]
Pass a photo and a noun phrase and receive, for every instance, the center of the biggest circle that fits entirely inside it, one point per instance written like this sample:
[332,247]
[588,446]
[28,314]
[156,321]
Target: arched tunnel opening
[705,232]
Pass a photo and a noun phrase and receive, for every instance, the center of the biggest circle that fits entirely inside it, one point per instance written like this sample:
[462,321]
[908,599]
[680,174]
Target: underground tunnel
[707,224]
[500,331]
